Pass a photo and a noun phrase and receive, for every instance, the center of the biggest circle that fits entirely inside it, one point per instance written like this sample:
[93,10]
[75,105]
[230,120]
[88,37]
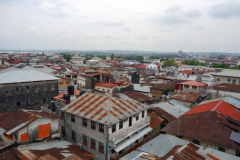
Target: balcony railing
[124,133]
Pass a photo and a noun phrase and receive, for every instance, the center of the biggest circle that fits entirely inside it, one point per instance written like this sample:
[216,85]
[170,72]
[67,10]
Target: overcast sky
[149,25]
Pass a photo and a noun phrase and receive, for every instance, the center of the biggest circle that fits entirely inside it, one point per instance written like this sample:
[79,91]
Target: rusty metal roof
[164,86]
[186,96]
[52,151]
[163,114]
[13,122]
[154,121]
[205,126]
[95,107]
[137,96]
[226,87]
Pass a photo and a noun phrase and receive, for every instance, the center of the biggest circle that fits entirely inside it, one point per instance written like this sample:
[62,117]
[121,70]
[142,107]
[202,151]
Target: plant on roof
[165,92]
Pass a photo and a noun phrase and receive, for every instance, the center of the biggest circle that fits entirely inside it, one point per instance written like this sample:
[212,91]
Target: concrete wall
[64,82]
[223,79]
[38,92]
[211,94]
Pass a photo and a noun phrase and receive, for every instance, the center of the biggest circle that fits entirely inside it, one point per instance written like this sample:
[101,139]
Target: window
[143,114]
[93,144]
[113,128]
[137,117]
[73,136]
[130,121]
[228,79]
[196,142]
[44,100]
[136,141]
[85,140]
[27,88]
[101,148]
[120,152]
[72,118]
[101,128]
[120,124]
[61,83]
[93,125]
[186,86]
[108,90]
[218,79]
[67,82]
[62,114]
[194,87]
[18,104]
[28,102]
[16,89]
[63,131]
[221,149]
[84,122]
[234,81]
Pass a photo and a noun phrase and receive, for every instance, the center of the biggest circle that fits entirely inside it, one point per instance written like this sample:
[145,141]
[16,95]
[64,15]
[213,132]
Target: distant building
[131,62]
[231,76]
[25,87]
[77,59]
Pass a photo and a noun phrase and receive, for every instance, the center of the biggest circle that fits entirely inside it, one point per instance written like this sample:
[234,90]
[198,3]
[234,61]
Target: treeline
[194,63]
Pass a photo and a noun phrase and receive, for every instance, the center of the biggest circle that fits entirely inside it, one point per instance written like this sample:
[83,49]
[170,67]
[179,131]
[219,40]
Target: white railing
[124,133]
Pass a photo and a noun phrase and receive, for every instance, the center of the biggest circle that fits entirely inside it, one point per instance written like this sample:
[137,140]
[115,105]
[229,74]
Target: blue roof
[131,61]
[233,101]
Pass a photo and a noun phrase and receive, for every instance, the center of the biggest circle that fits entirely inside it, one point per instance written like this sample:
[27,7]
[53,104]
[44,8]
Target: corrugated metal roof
[18,76]
[235,137]
[52,150]
[161,145]
[173,107]
[95,107]
[186,96]
[137,96]
[126,142]
[228,72]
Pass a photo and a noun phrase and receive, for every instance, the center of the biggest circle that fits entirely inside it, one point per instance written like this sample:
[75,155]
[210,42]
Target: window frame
[85,123]
[93,144]
[101,127]
[62,131]
[101,148]
[93,125]
[143,114]
[62,114]
[73,136]
[137,117]
[72,117]
[85,140]
[120,124]
[113,128]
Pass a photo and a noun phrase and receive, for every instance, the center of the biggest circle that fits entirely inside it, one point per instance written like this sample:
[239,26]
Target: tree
[153,84]
[165,92]
[194,63]
[112,56]
[215,65]
[169,63]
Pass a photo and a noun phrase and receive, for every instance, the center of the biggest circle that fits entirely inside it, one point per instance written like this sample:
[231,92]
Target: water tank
[66,97]
[71,90]
[82,92]
[52,105]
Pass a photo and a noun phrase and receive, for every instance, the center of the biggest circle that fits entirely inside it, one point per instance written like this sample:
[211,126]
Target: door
[130,121]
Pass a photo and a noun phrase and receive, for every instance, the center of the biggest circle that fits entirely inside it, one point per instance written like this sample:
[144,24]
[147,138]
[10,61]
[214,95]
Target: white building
[154,66]
[77,59]
[131,62]
[208,78]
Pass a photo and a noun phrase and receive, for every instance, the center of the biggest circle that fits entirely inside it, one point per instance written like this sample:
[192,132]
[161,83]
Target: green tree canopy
[194,63]
[169,63]
[215,65]
[165,92]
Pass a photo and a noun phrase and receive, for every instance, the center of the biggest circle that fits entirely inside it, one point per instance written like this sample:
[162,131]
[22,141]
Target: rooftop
[193,83]
[186,96]
[110,85]
[95,107]
[137,96]
[228,73]
[226,87]
[48,150]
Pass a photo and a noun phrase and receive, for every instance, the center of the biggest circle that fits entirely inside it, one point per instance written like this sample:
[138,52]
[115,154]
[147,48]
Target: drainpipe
[107,136]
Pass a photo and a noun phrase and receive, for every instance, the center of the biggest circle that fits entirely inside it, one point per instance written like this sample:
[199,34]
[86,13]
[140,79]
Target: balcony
[124,133]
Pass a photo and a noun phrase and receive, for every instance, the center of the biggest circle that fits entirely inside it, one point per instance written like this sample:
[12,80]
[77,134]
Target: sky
[144,25]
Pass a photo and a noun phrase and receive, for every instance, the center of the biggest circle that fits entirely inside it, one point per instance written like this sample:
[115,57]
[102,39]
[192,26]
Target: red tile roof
[110,85]
[140,66]
[122,82]
[189,72]
[193,83]
[229,61]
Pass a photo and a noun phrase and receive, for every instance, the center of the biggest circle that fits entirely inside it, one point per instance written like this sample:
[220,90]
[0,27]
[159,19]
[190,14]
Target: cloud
[127,29]
[173,9]
[198,27]
[36,31]
[225,10]
[113,37]
[112,24]
[8,33]
[175,16]
[90,35]
[192,13]
[65,27]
